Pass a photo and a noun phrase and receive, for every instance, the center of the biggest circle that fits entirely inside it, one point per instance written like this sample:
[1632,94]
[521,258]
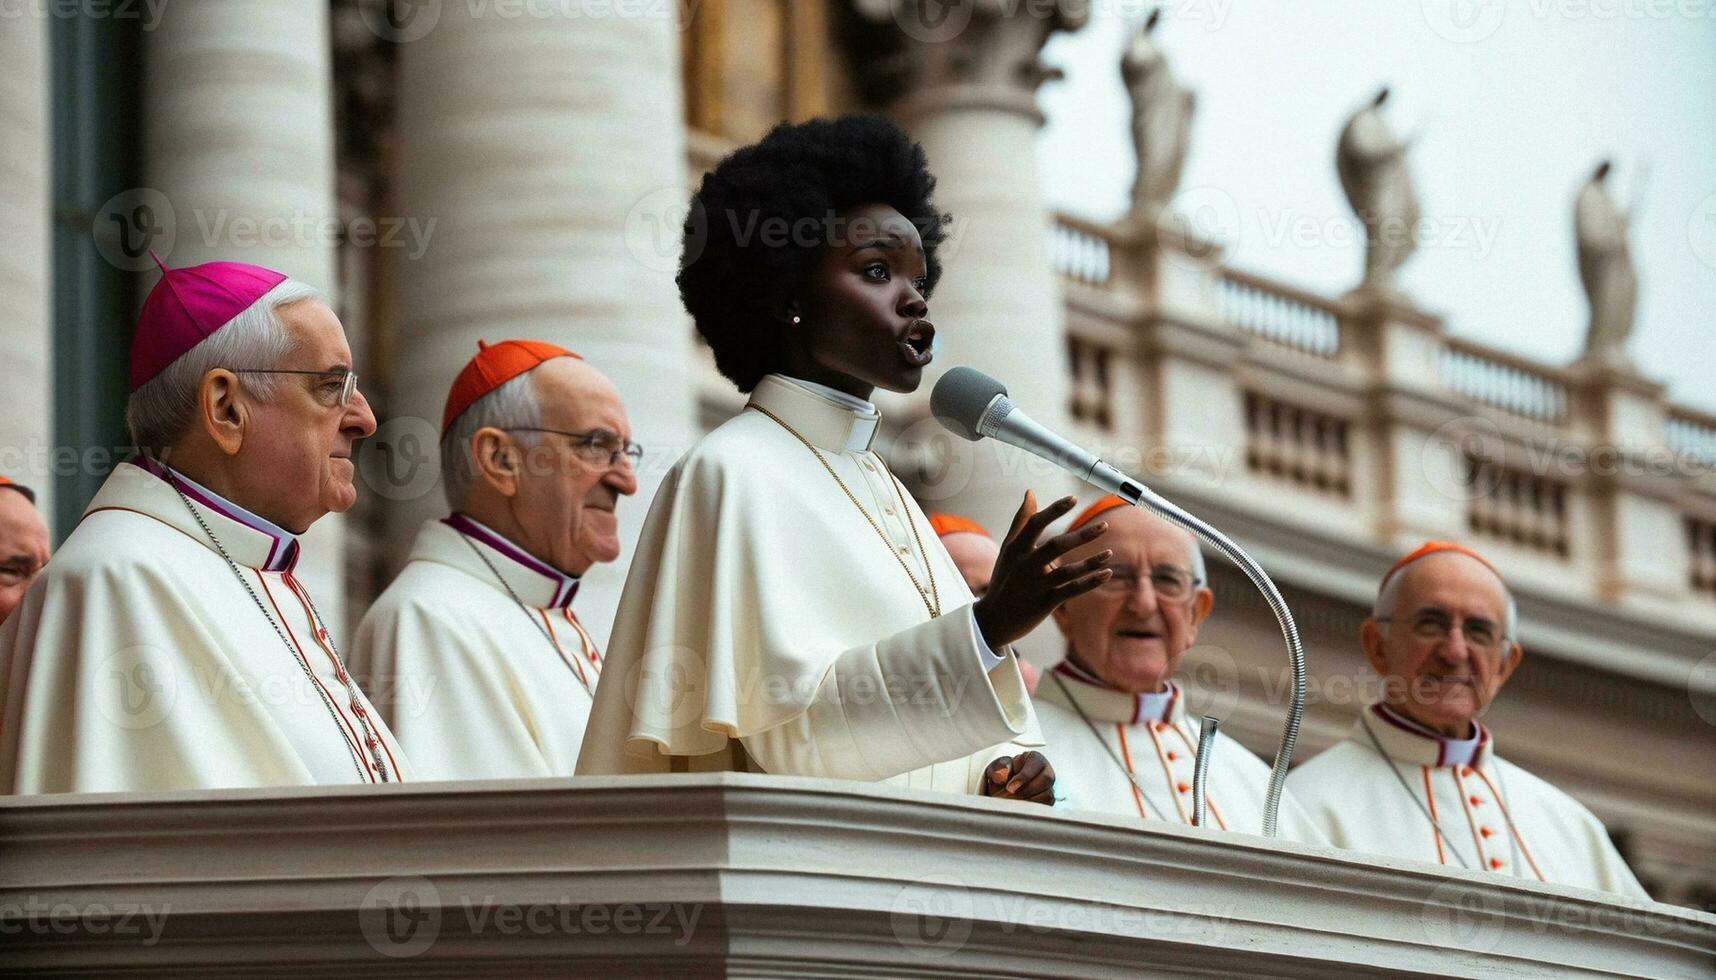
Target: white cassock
[138,661]
[766,626]
[1491,813]
[474,685]
[1133,754]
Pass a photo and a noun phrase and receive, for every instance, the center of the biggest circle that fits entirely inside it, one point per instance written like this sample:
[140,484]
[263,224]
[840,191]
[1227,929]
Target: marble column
[27,423]
[239,143]
[550,153]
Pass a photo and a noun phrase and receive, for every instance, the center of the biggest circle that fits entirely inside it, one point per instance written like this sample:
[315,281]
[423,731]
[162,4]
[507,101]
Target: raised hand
[1026,585]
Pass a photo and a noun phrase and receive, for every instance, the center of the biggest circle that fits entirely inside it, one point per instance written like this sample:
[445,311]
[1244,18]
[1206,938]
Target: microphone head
[962,398]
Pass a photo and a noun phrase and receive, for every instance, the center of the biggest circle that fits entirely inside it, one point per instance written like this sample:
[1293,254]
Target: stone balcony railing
[747,875]
[1583,478]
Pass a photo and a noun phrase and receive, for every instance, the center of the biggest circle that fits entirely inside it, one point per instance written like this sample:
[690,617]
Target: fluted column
[962,80]
[27,421]
[239,143]
[550,153]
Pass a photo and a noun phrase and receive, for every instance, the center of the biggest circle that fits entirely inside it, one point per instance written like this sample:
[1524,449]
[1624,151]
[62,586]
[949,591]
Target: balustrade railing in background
[1091,391]
[1280,314]
[1298,445]
[1517,507]
[1080,252]
[1692,436]
[1701,545]
[1504,381]
[1315,451]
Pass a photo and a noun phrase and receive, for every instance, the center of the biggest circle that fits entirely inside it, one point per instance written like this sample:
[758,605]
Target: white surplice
[767,626]
[1138,761]
[473,685]
[1491,813]
[138,660]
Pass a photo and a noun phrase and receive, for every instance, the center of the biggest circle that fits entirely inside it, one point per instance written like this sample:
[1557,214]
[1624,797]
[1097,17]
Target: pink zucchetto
[187,305]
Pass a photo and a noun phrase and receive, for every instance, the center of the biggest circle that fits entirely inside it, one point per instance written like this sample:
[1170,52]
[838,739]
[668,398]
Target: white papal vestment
[1491,814]
[766,625]
[474,685]
[138,661]
[1133,754]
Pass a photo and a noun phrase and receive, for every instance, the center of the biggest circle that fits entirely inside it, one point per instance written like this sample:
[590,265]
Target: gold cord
[931,597]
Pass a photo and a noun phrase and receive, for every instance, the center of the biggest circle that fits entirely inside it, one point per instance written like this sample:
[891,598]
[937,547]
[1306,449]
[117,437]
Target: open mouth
[1139,634]
[917,343]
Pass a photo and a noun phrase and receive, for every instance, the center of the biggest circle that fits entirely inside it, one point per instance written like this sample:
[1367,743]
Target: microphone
[974,406]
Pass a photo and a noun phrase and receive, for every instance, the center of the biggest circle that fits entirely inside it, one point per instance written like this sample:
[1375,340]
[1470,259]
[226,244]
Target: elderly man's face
[974,555]
[566,498]
[299,454]
[1132,631]
[23,548]
[1442,650]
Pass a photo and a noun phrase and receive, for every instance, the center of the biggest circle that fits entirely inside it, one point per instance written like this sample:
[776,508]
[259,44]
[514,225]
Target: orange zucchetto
[1102,504]
[1431,548]
[946,524]
[495,365]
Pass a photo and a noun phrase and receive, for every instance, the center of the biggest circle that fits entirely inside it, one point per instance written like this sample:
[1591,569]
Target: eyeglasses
[1434,625]
[344,378]
[596,445]
[1168,582]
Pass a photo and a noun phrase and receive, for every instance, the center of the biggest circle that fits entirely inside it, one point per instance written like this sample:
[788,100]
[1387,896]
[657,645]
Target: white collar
[841,398]
[146,485]
[535,582]
[1104,703]
[1407,741]
[829,419]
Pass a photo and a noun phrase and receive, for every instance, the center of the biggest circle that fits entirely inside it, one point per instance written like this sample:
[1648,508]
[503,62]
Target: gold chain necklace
[930,596]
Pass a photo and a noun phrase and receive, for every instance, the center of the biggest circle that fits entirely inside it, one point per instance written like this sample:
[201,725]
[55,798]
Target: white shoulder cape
[763,608]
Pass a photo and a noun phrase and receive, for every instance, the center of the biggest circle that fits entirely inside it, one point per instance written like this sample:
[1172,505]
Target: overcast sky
[1516,102]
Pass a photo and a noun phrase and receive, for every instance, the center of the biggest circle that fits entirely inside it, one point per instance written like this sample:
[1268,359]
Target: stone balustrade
[1277,313]
[1585,469]
[1504,381]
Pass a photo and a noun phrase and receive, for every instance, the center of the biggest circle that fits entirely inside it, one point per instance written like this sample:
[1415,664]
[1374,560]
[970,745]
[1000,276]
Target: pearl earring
[796,319]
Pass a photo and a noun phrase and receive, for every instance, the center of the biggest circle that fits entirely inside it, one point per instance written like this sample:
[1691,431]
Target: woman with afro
[789,609]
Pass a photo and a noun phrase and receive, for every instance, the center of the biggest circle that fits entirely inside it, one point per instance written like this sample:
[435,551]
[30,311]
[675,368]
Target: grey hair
[1200,574]
[164,409]
[1388,597]
[512,404]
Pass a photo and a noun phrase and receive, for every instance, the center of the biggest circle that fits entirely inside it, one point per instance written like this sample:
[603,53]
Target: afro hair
[736,275]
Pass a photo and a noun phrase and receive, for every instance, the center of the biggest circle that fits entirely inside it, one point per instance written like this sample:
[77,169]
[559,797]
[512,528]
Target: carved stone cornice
[918,56]
[743,874]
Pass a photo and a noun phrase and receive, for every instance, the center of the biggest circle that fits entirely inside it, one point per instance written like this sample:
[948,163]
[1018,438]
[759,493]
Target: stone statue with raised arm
[1605,267]
[1371,162]
[1161,120]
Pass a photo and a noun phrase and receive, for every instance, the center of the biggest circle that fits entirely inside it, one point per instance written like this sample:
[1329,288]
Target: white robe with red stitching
[1493,815]
[474,686]
[138,662]
[1160,753]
